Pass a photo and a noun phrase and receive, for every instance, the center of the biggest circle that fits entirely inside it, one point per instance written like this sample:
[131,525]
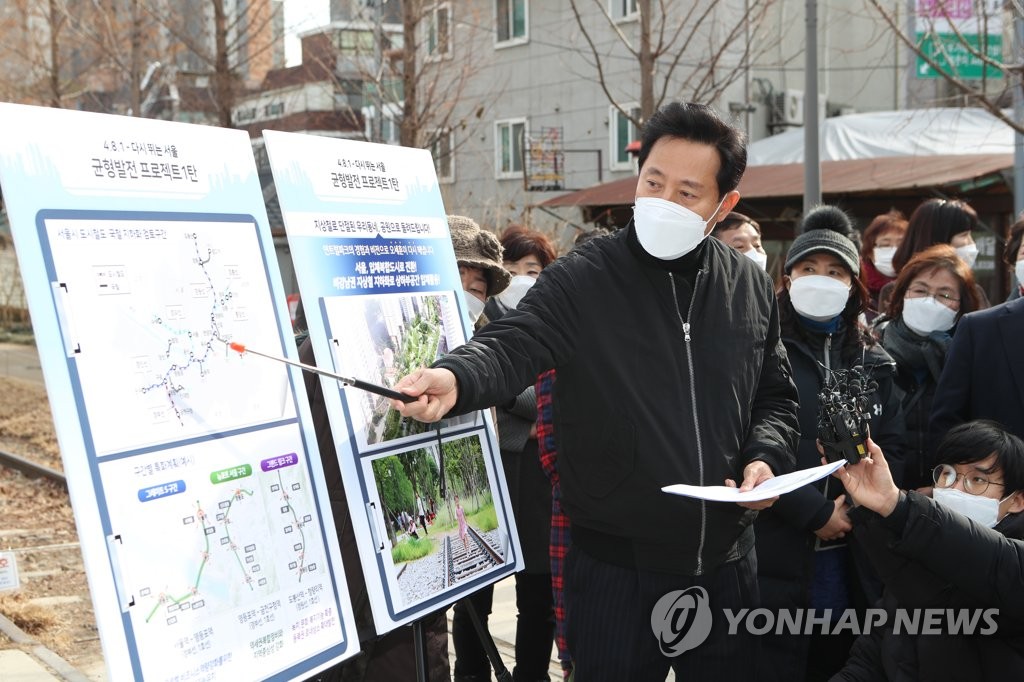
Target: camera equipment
[843,407]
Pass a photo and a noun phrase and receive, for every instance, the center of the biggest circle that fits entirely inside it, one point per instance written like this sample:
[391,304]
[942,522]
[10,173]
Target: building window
[623,9]
[509,136]
[439,32]
[512,20]
[444,160]
[355,42]
[623,131]
[390,123]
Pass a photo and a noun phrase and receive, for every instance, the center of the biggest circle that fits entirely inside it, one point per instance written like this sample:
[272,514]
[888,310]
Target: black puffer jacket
[649,392]
[932,558]
[787,548]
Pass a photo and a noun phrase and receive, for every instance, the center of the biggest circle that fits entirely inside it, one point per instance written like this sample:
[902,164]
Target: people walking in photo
[460,515]
[422,512]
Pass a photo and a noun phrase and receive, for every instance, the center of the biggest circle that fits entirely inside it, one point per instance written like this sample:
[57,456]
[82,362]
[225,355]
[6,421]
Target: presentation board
[382,296]
[194,476]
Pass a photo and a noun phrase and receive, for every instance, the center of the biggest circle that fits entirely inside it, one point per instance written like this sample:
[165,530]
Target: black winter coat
[648,394]
[786,544]
[932,558]
[984,373]
[529,489]
[918,389]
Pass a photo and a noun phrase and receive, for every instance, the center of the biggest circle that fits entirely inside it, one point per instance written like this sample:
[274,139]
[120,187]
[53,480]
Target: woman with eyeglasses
[958,556]
[933,291]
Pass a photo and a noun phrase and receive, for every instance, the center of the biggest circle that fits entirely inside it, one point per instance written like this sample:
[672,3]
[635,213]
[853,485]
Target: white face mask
[667,230]
[818,297]
[1018,269]
[515,290]
[968,253]
[983,510]
[760,258]
[474,307]
[882,259]
[926,315]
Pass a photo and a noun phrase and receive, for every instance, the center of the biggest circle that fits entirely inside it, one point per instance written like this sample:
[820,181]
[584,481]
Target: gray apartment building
[536,117]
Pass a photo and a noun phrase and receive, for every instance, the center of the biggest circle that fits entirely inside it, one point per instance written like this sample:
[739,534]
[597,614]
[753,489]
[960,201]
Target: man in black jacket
[985,353]
[670,370]
[940,556]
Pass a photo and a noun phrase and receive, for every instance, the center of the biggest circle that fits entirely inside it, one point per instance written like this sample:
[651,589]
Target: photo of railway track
[437,535]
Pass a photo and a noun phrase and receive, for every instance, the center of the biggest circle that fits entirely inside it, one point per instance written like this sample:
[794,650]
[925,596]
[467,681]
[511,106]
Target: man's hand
[838,525]
[870,483]
[437,390]
[754,474]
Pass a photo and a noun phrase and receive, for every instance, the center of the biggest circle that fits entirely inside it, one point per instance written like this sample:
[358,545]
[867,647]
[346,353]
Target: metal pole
[812,152]
[1018,116]
[377,132]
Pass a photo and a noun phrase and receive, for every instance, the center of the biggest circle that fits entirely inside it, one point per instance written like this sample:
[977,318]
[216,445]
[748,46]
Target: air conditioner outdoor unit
[792,107]
[789,108]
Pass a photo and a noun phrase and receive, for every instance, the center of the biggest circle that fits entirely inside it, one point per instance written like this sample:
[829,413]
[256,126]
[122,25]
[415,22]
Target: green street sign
[951,53]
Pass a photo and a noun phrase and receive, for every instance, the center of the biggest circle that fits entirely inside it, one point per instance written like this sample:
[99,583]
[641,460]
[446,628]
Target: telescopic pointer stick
[355,383]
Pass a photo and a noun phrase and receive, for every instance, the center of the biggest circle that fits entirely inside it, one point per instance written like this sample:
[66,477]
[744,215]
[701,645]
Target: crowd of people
[664,353]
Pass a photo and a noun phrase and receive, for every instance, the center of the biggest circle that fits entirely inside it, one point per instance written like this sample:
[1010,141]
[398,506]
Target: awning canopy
[877,176]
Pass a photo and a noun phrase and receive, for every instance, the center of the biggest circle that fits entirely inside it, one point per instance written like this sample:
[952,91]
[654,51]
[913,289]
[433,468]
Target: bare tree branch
[989,104]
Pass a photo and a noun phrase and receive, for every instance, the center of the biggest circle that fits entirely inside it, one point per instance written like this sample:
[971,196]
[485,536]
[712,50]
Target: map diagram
[148,308]
[202,537]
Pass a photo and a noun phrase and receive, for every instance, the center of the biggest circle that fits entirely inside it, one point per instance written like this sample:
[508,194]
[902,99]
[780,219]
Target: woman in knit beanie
[805,557]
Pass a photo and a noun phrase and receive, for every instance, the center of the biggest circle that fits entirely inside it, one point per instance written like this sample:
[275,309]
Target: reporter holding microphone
[805,559]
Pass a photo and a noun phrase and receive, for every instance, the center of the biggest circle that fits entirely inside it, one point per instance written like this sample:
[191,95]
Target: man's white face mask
[667,230]
[983,510]
[760,258]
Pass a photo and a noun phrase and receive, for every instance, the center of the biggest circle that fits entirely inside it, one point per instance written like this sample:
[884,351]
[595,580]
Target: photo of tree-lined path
[383,338]
[430,559]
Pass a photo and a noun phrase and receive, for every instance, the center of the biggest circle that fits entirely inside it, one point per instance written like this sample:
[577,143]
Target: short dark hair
[519,242]
[975,440]
[586,235]
[699,123]
[733,221]
[936,221]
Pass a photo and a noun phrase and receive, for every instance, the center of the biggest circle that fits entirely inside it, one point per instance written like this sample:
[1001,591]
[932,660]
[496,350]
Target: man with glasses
[940,554]
[984,373]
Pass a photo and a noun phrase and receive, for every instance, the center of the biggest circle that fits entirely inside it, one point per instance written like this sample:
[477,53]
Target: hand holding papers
[770,488]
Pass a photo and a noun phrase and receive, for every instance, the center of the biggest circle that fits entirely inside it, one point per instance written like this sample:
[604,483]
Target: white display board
[194,476]
[8,572]
[382,295]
